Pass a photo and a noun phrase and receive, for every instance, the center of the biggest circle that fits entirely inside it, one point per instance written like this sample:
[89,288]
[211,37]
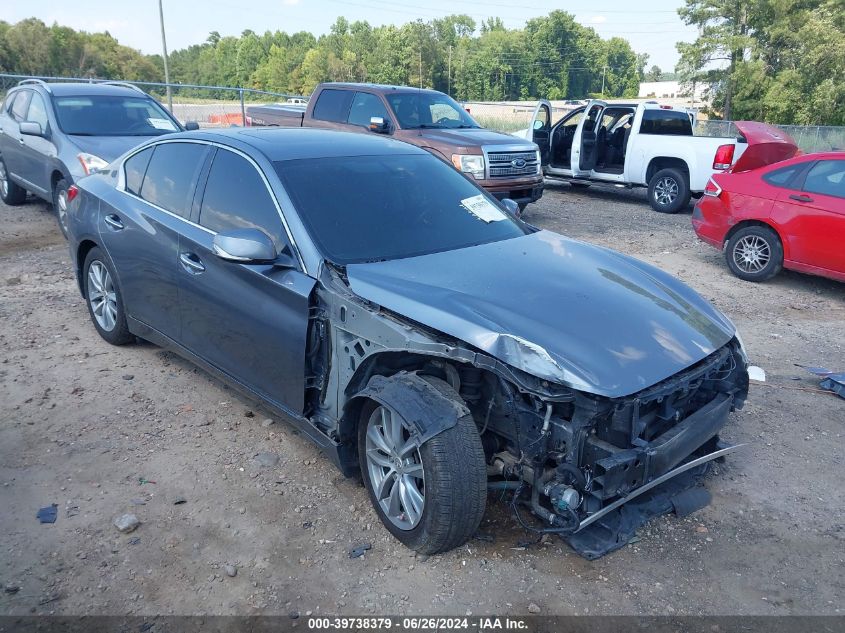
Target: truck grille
[507,164]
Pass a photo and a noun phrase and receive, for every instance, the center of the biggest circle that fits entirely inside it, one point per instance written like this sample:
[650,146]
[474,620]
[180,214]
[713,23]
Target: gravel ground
[240,515]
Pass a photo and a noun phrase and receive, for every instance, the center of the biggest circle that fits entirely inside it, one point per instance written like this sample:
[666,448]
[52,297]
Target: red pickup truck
[504,166]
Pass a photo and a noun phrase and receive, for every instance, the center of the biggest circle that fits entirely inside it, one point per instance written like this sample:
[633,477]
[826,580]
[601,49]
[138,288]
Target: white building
[673,92]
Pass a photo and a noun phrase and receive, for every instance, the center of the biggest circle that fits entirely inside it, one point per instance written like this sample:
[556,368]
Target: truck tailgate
[275,115]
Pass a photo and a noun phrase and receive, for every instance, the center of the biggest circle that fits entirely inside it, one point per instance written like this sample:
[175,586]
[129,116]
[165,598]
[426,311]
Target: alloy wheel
[62,208]
[395,469]
[752,254]
[666,190]
[102,295]
[4,179]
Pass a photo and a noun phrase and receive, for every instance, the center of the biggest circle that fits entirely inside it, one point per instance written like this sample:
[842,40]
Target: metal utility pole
[603,68]
[164,49]
[449,73]
[420,69]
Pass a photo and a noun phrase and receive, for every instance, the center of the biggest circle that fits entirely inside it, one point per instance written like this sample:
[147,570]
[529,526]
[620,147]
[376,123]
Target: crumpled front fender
[431,406]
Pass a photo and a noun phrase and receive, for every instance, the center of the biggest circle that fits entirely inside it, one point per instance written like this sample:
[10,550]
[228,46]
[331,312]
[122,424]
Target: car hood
[471,137]
[563,310]
[109,147]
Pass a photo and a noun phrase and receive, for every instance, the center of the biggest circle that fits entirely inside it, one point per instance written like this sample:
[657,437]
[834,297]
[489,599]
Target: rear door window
[364,107]
[333,105]
[784,176]
[171,176]
[236,198]
[826,177]
[136,167]
[670,122]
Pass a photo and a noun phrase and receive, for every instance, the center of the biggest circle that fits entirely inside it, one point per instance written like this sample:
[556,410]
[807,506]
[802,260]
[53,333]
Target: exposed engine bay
[568,460]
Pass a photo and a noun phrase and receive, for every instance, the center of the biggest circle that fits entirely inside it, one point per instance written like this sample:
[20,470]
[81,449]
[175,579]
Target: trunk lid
[766,145]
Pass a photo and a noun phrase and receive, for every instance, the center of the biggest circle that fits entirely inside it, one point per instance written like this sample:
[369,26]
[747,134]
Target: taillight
[712,189]
[72,192]
[724,157]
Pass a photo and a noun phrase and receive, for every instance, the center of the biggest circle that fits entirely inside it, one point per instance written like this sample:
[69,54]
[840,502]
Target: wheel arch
[666,162]
[744,223]
[82,251]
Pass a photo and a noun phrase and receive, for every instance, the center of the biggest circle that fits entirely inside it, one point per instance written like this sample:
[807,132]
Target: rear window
[671,122]
[172,176]
[333,105]
[390,207]
[112,116]
[136,167]
[784,176]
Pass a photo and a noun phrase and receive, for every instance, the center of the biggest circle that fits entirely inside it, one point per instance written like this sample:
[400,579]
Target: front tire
[754,253]
[60,204]
[430,497]
[668,190]
[11,193]
[105,303]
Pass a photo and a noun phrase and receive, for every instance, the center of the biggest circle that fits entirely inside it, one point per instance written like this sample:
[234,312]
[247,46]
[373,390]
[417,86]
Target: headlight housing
[90,163]
[469,164]
[539,163]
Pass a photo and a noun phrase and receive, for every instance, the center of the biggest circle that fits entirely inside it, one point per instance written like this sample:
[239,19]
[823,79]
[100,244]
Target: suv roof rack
[123,84]
[38,82]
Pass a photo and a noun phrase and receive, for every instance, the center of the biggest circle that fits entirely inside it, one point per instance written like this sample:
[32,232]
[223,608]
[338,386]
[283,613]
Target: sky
[652,26]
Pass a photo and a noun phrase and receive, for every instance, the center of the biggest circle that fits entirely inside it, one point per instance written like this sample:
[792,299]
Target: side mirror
[379,125]
[511,206]
[247,246]
[190,126]
[31,128]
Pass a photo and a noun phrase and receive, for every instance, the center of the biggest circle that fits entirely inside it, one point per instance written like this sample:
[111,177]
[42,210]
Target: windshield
[416,110]
[112,116]
[390,207]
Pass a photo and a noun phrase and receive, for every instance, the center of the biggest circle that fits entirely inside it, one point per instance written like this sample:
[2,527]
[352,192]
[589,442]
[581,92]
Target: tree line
[769,60]
[552,56]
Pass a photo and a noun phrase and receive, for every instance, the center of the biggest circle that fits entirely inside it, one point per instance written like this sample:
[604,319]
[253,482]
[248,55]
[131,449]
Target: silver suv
[52,134]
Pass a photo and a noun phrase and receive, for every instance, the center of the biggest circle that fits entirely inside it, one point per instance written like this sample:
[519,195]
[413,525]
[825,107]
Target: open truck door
[584,146]
[541,129]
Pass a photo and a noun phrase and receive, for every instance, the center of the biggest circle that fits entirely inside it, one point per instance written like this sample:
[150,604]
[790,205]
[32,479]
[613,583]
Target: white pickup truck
[636,145]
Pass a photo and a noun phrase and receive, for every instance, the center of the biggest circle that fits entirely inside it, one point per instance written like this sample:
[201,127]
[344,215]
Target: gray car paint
[31,160]
[554,307]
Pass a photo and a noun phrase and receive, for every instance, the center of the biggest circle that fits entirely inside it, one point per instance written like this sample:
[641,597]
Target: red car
[788,214]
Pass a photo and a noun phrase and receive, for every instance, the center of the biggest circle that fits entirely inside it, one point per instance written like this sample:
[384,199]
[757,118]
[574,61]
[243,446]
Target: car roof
[279,144]
[71,89]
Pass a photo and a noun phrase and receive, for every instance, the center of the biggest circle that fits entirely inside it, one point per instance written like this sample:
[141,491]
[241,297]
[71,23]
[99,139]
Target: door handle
[191,263]
[114,222]
[800,198]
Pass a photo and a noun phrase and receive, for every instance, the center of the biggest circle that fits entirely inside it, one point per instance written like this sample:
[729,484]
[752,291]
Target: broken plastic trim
[656,482]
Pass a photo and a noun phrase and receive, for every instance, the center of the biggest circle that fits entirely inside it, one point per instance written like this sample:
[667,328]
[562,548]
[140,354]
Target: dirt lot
[82,422]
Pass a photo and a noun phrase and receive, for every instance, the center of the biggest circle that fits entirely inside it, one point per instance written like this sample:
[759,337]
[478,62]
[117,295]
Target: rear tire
[60,204]
[11,193]
[754,253]
[668,190]
[453,482]
[103,298]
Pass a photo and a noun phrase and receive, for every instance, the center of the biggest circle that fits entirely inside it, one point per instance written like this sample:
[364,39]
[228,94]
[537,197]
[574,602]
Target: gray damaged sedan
[415,329]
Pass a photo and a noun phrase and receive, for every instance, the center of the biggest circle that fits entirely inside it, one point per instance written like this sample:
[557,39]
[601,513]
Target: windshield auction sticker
[162,124]
[481,208]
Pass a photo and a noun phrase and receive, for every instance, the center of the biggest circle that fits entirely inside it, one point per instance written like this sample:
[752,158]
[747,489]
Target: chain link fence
[510,116]
[224,106]
[209,106]
[810,138]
